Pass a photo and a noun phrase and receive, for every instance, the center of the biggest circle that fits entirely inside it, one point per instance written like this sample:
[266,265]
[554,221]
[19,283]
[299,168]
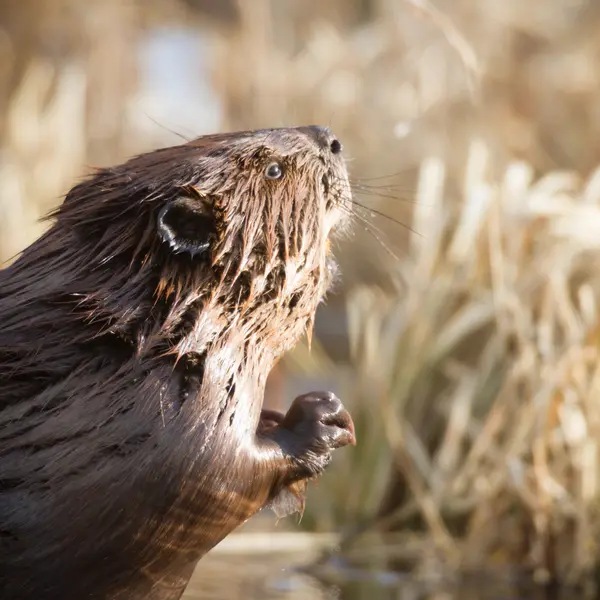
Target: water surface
[256,572]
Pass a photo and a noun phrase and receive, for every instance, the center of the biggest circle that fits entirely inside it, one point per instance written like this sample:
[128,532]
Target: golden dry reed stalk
[488,369]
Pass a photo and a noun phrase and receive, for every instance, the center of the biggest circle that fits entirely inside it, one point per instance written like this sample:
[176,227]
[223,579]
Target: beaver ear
[187,224]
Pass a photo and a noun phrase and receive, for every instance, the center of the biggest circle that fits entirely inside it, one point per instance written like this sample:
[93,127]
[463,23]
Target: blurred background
[464,334]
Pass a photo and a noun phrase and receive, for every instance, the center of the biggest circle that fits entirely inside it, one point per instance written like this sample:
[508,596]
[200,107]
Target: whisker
[374,194]
[372,230]
[378,190]
[384,215]
[383,176]
[374,188]
[175,133]
[362,217]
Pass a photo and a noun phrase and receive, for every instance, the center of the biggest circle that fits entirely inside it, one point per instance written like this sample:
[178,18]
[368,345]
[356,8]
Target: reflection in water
[269,575]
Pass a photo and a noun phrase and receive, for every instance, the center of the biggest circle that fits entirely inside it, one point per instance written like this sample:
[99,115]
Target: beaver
[136,337]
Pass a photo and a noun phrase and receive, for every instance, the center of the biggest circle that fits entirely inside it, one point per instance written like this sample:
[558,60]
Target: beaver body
[136,336]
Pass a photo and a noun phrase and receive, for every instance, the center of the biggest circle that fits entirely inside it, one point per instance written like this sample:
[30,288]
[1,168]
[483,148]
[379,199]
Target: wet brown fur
[132,377]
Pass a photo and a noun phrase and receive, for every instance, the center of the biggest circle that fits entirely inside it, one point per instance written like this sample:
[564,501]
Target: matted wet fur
[136,336]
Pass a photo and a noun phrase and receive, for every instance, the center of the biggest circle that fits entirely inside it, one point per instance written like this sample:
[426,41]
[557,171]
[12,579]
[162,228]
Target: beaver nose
[324,138]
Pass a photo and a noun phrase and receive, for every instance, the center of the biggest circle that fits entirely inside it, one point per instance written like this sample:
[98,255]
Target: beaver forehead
[299,139]
[313,140]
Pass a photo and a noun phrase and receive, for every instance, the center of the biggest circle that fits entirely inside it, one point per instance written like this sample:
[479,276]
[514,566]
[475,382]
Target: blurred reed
[483,374]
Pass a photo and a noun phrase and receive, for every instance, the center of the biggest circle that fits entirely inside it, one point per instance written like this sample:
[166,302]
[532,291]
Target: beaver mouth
[326,184]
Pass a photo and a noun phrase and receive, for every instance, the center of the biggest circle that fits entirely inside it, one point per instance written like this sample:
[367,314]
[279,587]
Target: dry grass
[476,353]
[484,372]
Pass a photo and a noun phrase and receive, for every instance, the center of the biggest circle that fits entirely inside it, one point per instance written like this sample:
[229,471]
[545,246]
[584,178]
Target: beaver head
[227,231]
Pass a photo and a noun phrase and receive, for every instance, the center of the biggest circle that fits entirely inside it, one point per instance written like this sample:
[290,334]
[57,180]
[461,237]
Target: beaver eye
[274,171]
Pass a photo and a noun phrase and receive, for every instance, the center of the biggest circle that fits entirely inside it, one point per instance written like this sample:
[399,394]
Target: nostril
[336,146]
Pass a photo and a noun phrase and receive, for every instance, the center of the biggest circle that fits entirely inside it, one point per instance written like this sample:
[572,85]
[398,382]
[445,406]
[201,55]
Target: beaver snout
[324,138]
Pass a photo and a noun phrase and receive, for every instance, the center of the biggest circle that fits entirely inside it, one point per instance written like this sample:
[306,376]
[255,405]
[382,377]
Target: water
[259,573]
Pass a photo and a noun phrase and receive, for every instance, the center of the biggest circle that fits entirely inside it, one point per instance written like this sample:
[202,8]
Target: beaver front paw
[316,424]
